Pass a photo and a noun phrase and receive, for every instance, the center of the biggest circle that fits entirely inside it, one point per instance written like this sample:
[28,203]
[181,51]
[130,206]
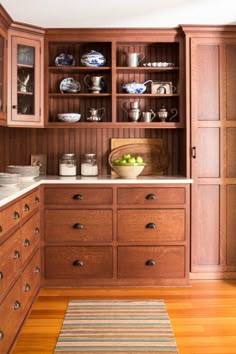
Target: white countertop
[8,194]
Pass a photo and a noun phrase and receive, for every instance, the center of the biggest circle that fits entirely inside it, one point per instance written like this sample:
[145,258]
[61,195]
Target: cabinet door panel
[208,152]
[231,152]
[230,82]
[231,225]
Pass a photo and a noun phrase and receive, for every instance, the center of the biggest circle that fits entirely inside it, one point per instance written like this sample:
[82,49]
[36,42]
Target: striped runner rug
[110,326]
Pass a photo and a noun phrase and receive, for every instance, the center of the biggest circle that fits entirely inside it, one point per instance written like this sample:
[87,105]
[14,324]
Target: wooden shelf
[147,95]
[77,68]
[147,68]
[68,95]
[136,125]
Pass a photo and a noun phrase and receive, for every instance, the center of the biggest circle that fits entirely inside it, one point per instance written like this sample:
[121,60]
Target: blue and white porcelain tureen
[93,58]
[135,87]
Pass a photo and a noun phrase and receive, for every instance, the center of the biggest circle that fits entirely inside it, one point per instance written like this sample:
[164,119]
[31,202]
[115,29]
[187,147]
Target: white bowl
[128,171]
[69,117]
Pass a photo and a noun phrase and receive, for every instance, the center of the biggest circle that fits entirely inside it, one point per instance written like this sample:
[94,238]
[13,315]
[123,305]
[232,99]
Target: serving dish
[69,117]
[9,179]
[26,172]
[93,58]
[69,85]
[64,60]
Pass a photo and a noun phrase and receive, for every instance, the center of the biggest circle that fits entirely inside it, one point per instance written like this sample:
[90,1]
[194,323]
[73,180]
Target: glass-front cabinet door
[3,79]
[26,83]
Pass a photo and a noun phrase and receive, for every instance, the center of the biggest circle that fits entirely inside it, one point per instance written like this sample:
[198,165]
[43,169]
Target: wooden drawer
[151,262]
[10,260]
[78,196]
[1,224]
[78,262]
[30,236]
[11,216]
[11,316]
[151,225]
[78,225]
[30,203]
[30,282]
[151,196]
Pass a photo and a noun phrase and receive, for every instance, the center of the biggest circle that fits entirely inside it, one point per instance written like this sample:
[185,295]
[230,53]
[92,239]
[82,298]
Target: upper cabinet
[25,73]
[100,74]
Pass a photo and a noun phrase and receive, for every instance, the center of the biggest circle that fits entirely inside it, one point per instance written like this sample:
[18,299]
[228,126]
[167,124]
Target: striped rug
[110,326]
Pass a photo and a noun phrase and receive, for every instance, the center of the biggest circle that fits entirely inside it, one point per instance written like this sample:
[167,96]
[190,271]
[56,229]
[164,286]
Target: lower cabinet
[115,235]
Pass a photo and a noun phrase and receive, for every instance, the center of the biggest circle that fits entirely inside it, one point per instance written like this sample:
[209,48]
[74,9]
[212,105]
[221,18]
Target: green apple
[131,160]
[139,159]
[126,156]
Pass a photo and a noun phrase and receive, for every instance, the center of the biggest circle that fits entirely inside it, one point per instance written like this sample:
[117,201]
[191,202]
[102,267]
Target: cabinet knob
[26,243]
[78,197]
[36,230]
[78,263]
[17,305]
[16,215]
[1,335]
[151,225]
[27,287]
[0,228]
[78,226]
[151,197]
[36,200]
[151,263]
[14,106]
[37,270]
[1,275]
[26,207]
[16,255]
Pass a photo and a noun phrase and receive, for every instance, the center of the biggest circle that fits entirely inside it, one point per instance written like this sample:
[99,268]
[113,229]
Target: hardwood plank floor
[203,316]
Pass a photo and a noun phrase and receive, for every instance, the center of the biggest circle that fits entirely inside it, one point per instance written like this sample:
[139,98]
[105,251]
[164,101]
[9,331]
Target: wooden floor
[203,316]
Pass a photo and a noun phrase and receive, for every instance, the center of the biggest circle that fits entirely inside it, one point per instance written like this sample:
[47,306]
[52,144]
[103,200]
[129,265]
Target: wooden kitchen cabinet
[130,233]
[212,110]
[25,75]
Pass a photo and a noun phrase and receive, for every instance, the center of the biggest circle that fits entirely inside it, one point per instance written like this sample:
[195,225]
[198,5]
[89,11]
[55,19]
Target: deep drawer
[78,262]
[78,225]
[151,262]
[78,196]
[151,225]
[151,196]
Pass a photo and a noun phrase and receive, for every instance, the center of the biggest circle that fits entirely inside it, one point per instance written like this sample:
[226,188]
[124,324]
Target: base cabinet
[133,236]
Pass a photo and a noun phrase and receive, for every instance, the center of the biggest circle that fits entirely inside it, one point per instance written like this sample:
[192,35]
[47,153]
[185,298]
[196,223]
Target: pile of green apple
[129,160]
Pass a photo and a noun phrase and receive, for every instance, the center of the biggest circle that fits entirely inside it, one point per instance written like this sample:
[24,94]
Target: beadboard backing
[17,144]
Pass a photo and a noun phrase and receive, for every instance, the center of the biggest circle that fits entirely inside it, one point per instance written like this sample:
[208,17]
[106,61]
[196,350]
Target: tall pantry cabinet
[211,105]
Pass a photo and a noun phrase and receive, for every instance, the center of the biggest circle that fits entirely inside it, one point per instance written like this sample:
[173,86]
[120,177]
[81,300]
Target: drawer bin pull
[17,305]
[151,263]
[16,255]
[27,243]
[78,226]
[36,200]
[1,335]
[27,287]
[37,270]
[1,275]
[151,197]
[36,230]
[26,207]
[151,225]
[0,228]
[16,215]
[78,263]
[78,197]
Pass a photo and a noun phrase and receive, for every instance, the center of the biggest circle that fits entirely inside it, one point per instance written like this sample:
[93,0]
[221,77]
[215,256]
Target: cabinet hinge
[40,111]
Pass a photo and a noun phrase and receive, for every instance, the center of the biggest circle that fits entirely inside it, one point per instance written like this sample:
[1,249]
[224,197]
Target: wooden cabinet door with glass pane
[26,83]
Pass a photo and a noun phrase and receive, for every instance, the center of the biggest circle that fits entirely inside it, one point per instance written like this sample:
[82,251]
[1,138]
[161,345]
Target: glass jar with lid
[89,165]
[67,165]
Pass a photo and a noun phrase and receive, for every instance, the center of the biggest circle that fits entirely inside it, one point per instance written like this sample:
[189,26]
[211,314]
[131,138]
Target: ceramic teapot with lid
[164,115]
[135,87]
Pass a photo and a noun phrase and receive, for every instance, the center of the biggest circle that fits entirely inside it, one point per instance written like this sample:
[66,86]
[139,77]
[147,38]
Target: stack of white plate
[27,173]
[9,179]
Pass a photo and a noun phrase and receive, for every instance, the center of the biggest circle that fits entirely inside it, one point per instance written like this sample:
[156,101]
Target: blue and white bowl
[93,58]
[64,60]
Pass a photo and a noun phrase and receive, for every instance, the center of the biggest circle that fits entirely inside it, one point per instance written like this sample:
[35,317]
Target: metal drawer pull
[26,207]
[78,197]
[16,255]
[16,215]
[36,230]
[78,226]
[1,275]
[17,305]
[151,225]
[0,228]
[1,335]
[27,287]
[36,200]
[151,263]
[27,243]
[151,197]
[78,262]
[37,270]
[194,152]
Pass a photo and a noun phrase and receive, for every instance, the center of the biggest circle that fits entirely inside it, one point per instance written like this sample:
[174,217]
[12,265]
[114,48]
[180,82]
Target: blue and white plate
[69,85]
[93,58]
[65,60]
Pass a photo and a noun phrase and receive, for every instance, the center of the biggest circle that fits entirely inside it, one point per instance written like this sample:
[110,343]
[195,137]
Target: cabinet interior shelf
[26,66]
[96,125]
[149,95]
[78,68]
[24,93]
[68,95]
[147,68]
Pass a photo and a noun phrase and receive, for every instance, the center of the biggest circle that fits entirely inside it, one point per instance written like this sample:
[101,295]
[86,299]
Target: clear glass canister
[89,165]
[67,165]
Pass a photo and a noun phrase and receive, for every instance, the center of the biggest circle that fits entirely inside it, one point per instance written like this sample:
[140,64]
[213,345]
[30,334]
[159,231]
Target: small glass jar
[89,165]
[67,165]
